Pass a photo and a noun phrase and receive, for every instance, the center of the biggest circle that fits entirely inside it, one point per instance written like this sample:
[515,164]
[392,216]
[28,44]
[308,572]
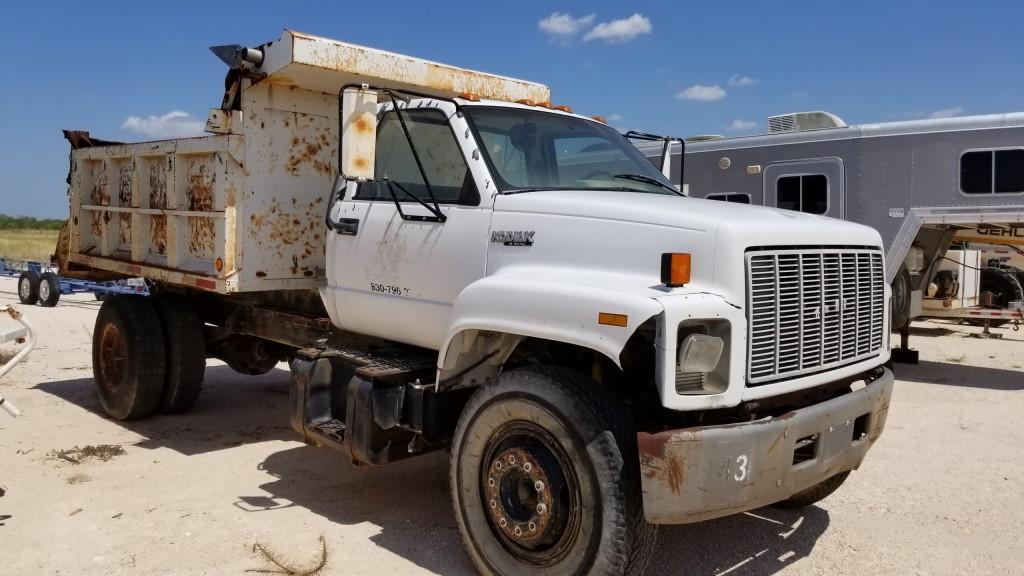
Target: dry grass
[76,455]
[279,565]
[28,244]
[78,479]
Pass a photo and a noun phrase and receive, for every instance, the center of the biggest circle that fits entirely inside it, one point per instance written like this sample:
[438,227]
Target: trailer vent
[813,309]
[800,121]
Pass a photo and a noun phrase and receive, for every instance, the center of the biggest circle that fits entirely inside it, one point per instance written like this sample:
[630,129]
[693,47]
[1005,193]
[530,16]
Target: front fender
[548,309]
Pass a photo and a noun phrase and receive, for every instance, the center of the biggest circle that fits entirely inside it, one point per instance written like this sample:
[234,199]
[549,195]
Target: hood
[625,233]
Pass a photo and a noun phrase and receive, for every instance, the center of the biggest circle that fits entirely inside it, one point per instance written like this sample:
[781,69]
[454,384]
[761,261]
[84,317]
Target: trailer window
[804,193]
[442,159]
[737,197]
[992,172]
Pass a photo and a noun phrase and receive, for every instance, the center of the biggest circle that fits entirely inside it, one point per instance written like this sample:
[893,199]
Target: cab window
[450,179]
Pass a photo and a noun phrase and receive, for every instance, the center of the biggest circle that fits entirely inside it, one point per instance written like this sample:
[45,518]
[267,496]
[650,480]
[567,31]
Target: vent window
[805,193]
[992,172]
[736,197]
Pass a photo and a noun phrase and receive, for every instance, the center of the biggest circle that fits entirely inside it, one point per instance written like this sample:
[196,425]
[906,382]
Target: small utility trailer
[40,283]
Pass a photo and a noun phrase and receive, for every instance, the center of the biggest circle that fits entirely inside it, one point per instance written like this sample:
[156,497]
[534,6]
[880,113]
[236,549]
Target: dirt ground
[191,494]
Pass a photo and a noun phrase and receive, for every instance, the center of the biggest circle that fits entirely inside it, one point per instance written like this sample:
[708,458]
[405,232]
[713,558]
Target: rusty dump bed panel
[234,212]
[243,210]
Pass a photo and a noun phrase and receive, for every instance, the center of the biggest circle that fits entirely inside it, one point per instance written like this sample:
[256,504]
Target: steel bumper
[694,474]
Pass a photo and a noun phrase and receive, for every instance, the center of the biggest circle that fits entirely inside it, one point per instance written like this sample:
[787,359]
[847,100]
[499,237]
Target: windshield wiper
[648,180]
[521,190]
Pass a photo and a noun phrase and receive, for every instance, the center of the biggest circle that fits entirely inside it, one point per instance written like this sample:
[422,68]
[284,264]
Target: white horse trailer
[923,184]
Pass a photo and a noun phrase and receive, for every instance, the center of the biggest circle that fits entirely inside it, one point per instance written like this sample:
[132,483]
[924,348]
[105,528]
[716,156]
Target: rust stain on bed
[200,199]
[124,199]
[158,199]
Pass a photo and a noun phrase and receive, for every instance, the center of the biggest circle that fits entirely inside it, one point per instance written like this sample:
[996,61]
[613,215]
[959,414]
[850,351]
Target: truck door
[398,277]
[815,186]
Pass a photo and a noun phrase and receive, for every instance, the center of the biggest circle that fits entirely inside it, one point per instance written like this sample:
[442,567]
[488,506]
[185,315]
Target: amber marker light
[218,264]
[675,269]
[609,319]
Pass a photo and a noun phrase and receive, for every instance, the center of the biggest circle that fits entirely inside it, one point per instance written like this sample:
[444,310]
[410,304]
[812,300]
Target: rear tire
[561,429]
[49,289]
[28,287]
[815,493]
[185,353]
[128,357]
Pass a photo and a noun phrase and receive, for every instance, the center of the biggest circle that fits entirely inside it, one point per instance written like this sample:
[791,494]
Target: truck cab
[496,276]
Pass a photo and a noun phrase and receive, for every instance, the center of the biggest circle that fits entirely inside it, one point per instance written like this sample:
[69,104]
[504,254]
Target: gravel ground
[192,494]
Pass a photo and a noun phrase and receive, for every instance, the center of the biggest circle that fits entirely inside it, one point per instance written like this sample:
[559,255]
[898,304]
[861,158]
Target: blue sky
[130,70]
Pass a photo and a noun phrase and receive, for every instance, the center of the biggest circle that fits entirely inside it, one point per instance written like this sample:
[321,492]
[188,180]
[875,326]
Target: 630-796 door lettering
[388,289]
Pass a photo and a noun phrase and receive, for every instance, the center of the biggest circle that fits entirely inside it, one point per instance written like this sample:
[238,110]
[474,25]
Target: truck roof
[325,65]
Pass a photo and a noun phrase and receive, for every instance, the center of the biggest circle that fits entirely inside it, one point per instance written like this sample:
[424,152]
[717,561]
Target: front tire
[28,287]
[128,357]
[49,289]
[545,478]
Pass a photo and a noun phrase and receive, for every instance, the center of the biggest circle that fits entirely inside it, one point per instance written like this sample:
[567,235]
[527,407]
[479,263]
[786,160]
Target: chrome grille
[812,309]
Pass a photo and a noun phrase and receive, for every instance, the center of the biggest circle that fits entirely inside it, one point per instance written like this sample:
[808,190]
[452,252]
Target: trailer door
[815,186]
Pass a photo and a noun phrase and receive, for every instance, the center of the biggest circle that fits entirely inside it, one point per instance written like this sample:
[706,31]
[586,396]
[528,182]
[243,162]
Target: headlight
[700,353]
[702,357]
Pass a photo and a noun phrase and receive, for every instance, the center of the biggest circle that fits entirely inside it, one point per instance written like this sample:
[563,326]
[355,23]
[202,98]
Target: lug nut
[490,482]
[532,527]
[538,486]
[511,459]
[497,465]
[494,504]
[527,466]
[503,522]
[518,531]
[542,508]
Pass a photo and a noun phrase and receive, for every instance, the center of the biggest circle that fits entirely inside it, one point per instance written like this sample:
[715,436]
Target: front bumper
[694,474]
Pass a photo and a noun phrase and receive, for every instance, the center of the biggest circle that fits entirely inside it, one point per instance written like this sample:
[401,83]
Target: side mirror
[358,133]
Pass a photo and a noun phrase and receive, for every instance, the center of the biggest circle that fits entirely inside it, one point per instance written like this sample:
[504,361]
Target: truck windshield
[531,150]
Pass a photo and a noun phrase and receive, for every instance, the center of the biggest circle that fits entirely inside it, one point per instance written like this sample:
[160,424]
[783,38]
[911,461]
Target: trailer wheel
[1003,285]
[49,289]
[28,287]
[815,493]
[128,357]
[185,354]
[545,478]
[901,299]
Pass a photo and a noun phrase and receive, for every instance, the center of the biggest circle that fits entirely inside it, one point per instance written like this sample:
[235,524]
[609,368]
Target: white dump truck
[448,261]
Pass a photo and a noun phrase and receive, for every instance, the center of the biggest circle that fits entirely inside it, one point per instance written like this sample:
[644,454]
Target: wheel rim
[111,359]
[530,493]
[44,290]
[24,288]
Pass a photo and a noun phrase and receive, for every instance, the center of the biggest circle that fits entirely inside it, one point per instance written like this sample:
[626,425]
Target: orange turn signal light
[600,119]
[471,96]
[675,269]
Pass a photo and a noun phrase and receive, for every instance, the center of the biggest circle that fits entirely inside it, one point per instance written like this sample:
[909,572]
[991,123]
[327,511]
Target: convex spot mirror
[358,133]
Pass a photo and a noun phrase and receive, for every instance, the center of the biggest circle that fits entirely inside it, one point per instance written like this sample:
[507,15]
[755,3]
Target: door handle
[347,226]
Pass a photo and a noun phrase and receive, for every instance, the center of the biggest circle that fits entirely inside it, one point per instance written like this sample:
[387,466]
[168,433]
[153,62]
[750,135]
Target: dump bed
[243,210]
